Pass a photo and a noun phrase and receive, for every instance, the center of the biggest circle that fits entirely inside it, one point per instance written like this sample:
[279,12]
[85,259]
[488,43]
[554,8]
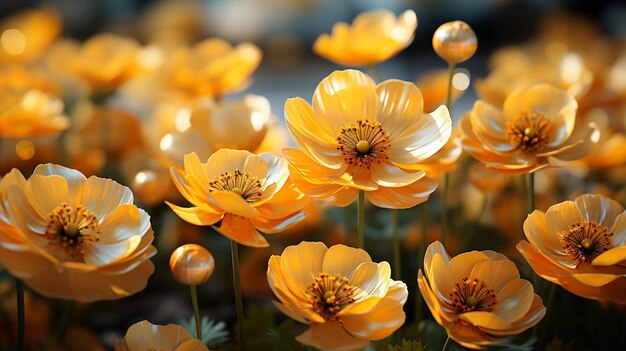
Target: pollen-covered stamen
[241,183]
[329,294]
[530,132]
[72,228]
[363,144]
[472,295]
[586,240]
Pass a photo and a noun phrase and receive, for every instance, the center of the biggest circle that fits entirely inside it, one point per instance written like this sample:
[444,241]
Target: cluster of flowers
[81,238]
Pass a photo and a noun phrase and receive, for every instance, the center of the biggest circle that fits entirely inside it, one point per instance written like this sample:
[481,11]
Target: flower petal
[330,336]
[195,215]
[241,230]
[342,259]
[403,197]
[345,97]
[381,321]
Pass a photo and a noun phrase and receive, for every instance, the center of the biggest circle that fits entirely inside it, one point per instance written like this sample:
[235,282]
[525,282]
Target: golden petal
[381,321]
[403,197]
[241,230]
[599,208]
[196,215]
[400,105]
[301,263]
[344,260]
[344,97]
[233,203]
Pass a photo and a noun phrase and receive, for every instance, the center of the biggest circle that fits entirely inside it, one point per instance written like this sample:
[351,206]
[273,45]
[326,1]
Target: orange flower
[535,129]
[212,67]
[373,37]
[72,237]
[580,245]
[345,298]
[359,136]
[31,113]
[147,336]
[478,296]
[242,191]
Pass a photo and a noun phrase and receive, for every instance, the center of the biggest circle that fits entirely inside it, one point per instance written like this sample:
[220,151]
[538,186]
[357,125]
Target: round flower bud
[192,264]
[455,41]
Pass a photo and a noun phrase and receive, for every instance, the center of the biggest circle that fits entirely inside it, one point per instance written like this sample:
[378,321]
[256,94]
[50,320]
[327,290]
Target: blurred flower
[455,42]
[77,339]
[610,151]
[171,23]
[21,77]
[38,321]
[359,136]
[192,264]
[535,129]
[73,237]
[373,37]
[147,336]
[240,190]
[103,61]
[30,114]
[478,296]
[212,68]
[580,245]
[487,180]
[515,68]
[345,298]
[434,88]
[25,35]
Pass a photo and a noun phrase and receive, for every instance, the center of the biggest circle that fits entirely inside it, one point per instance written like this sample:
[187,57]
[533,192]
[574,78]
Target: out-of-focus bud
[455,42]
[192,264]
[487,181]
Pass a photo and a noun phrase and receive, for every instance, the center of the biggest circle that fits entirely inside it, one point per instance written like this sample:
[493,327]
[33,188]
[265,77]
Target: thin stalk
[451,68]
[550,307]
[397,259]
[21,325]
[234,251]
[419,303]
[65,320]
[447,346]
[196,311]
[360,206]
[374,73]
[444,208]
[531,192]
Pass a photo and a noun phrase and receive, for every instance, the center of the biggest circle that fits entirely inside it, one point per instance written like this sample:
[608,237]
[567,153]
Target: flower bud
[192,264]
[455,41]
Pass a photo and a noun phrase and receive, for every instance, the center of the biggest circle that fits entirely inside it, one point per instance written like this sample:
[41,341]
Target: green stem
[444,208]
[451,68]
[196,311]
[65,321]
[21,325]
[374,73]
[360,206]
[531,192]
[447,346]
[238,300]
[397,259]
[419,303]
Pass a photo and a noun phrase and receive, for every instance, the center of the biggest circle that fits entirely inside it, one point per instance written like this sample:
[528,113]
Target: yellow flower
[516,68]
[72,237]
[610,151]
[345,298]
[25,35]
[103,61]
[359,136]
[434,88]
[29,114]
[478,296]
[445,160]
[373,37]
[580,245]
[147,336]
[242,191]
[535,129]
[212,67]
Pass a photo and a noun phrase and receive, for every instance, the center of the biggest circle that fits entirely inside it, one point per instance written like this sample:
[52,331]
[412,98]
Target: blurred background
[284,30]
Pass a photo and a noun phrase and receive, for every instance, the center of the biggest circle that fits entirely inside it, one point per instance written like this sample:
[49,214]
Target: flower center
[586,240]
[72,228]
[240,183]
[329,294]
[530,132]
[472,295]
[363,144]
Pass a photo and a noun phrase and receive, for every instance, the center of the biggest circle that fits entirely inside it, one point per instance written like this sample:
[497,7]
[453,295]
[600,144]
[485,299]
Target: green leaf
[213,333]
[407,345]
